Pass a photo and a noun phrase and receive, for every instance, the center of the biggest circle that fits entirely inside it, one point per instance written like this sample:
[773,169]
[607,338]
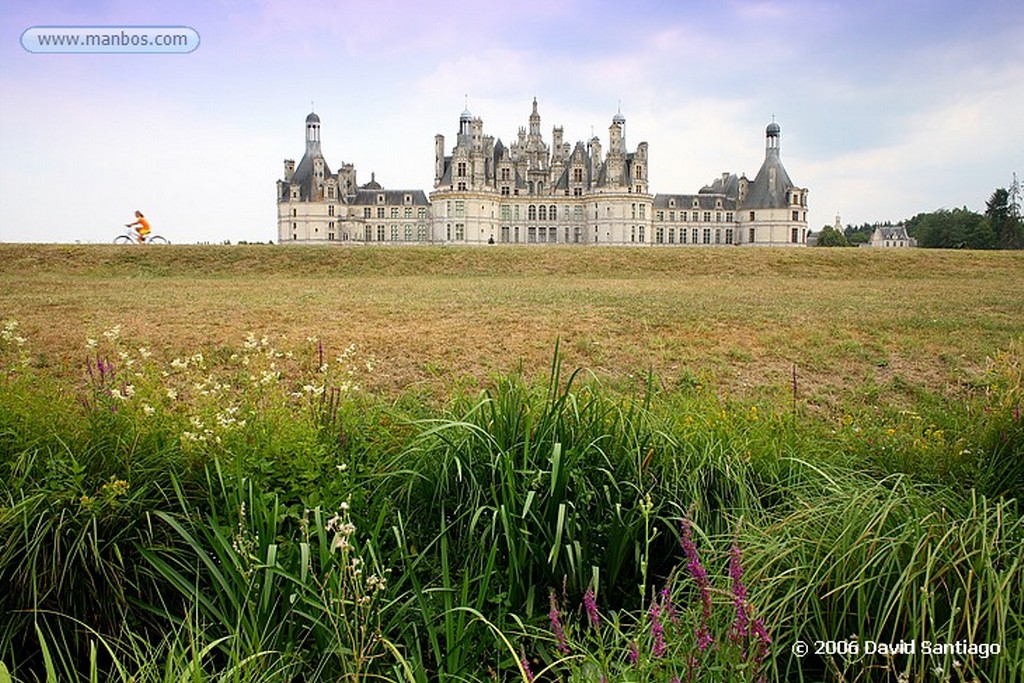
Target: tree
[1003,218]
[956,229]
[830,237]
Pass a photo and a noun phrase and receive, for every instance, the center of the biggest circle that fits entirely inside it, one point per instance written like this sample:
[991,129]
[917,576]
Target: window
[553,212]
[380,233]
[380,199]
[461,169]
[718,216]
[330,209]
[694,235]
[531,234]
[707,216]
[504,173]
[577,212]
[729,217]
[718,236]
[577,175]
[421,212]
[407,199]
[728,236]
[632,211]
[460,231]
[793,235]
[516,213]
[506,211]
[504,233]
[295,213]
[531,212]
[707,235]
[751,217]
[421,233]
[408,212]
[682,216]
[380,212]
[671,216]
[632,233]
[460,208]
[394,212]
[504,191]
[796,215]
[659,216]
[462,186]
[394,233]
[408,232]
[659,235]
[751,236]
[643,212]
[368,233]
[642,229]
[543,213]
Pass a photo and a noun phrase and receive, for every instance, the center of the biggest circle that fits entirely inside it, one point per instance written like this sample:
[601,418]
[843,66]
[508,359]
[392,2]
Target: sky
[887,108]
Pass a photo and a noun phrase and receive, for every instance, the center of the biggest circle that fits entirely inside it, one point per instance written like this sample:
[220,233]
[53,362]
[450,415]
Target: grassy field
[854,322]
[262,463]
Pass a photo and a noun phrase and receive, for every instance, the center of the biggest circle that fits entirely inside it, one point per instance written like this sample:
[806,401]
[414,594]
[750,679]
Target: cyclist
[143,226]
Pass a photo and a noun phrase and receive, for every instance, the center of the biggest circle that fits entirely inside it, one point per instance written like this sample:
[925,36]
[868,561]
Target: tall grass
[234,516]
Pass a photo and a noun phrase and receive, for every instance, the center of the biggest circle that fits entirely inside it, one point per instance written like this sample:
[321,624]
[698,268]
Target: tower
[313,135]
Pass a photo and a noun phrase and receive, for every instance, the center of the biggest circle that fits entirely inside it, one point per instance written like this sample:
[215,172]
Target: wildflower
[700,575]
[666,603]
[524,664]
[556,624]
[148,409]
[657,631]
[740,626]
[172,394]
[179,364]
[763,641]
[90,343]
[590,605]
[113,333]
[634,653]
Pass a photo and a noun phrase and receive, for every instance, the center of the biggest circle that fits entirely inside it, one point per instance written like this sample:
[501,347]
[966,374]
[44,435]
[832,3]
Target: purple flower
[634,653]
[666,603]
[700,575]
[763,641]
[524,663]
[590,605]
[556,624]
[657,632]
[741,625]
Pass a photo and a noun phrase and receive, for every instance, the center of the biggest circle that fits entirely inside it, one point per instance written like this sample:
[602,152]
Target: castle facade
[530,192]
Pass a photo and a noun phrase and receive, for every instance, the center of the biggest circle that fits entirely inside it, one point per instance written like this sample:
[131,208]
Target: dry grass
[737,318]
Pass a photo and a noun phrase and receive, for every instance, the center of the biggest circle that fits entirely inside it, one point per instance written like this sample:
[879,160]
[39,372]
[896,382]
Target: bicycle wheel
[122,239]
[157,239]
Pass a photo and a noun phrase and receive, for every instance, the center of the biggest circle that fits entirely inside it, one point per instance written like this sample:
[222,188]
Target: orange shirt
[143,224]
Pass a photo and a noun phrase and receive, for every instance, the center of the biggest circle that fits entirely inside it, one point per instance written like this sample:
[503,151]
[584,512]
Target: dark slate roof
[365,197]
[765,194]
[728,186]
[895,232]
[705,202]
[303,177]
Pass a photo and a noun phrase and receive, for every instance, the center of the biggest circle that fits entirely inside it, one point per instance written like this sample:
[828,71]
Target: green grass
[174,506]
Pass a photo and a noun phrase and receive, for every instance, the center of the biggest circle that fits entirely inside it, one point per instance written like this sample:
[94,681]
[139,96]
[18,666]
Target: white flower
[148,409]
[145,352]
[179,364]
[172,394]
[90,343]
[113,333]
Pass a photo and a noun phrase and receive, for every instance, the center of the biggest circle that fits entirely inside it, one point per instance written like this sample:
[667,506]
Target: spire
[313,134]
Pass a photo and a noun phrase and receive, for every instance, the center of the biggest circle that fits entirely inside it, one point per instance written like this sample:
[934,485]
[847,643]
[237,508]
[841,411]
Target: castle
[530,193]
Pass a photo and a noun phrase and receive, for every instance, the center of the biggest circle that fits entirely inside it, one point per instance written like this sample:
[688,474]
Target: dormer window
[380,199]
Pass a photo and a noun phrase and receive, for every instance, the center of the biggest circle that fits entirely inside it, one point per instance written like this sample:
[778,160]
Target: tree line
[1000,227]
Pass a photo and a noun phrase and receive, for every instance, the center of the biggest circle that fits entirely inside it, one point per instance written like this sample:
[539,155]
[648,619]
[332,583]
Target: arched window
[531,212]
[543,212]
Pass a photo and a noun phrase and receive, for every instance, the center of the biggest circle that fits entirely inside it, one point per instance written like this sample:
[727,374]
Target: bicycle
[132,237]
